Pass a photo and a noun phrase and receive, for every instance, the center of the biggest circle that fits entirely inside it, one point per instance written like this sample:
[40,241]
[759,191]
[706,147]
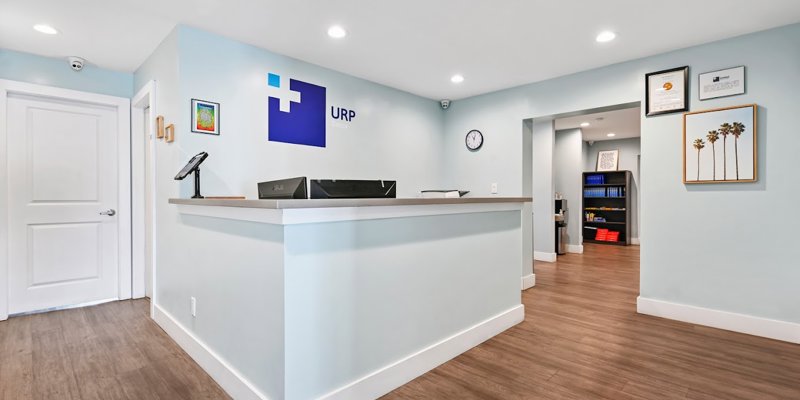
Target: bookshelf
[606,196]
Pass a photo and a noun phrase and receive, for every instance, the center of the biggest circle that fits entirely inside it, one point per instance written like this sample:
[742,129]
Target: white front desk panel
[347,301]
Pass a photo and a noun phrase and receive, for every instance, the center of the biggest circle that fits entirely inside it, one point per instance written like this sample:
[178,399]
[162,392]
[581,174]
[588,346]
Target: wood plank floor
[582,339]
[111,351]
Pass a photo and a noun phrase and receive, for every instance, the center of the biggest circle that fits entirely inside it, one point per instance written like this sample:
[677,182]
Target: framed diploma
[667,91]
[722,83]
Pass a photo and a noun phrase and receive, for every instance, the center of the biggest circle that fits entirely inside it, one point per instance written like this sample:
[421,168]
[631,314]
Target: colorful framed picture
[667,91]
[607,160]
[720,145]
[205,117]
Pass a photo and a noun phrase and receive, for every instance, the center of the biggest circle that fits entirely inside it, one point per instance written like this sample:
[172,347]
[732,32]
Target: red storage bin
[602,234]
[612,236]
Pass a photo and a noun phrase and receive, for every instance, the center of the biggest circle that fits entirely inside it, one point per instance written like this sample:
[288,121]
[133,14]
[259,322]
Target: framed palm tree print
[721,145]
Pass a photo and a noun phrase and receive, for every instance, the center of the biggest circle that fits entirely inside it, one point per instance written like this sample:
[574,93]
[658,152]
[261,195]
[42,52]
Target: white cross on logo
[285,95]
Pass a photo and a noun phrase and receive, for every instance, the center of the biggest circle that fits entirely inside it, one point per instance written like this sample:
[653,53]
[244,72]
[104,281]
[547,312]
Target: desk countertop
[335,203]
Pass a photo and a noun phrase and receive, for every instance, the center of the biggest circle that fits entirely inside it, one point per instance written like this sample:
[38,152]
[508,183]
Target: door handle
[110,212]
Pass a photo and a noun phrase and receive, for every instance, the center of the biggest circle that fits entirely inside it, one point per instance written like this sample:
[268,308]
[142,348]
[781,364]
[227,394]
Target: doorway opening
[596,178]
[563,166]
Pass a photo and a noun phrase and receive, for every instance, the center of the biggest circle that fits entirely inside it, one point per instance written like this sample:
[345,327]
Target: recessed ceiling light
[457,78]
[605,36]
[612,134]
[337,32]
[585,124]
[46,29]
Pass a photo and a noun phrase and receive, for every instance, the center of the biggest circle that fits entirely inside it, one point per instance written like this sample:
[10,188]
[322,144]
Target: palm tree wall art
[712,137]
[699,145]
[725,130]
[736,131]
[706,129]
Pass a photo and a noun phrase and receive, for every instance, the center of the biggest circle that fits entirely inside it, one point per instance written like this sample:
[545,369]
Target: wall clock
[474,140]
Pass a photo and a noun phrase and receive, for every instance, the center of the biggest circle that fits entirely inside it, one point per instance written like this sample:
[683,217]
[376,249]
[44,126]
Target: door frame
[122,105]
[146,97]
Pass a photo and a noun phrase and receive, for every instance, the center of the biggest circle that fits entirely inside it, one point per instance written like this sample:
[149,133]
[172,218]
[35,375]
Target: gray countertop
[328,203]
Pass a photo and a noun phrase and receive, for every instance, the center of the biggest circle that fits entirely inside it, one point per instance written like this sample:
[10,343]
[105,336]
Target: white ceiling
[623,124]
[413,45]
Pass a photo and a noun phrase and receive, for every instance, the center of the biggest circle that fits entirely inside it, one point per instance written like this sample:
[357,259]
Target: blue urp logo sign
[297,112]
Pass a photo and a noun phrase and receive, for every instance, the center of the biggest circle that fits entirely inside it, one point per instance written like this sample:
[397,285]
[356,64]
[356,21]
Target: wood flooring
[106,352]
[581,339]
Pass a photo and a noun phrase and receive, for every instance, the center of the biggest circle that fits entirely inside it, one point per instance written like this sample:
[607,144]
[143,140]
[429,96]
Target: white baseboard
[635,241]
[395,375]
[769,328]
[228,378]
[528,281]
[542,256]
[575,248]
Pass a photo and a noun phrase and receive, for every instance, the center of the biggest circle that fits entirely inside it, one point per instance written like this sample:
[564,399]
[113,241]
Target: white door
[63,185]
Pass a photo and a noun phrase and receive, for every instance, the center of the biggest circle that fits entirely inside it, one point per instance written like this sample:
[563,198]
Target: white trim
[3,204]
[528,281]
[223,373]
[69,307]
[542,256]
[124,208]
[769,328]
[575,248]
[292,216]
[635,241]
[403,371]
[146,97]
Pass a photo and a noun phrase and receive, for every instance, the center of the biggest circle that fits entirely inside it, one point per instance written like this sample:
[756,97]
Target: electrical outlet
[494,188]
[193,306]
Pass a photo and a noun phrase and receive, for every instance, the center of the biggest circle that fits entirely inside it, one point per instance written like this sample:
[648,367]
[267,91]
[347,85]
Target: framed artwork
[722,83]
[667,91]
[607,160]
[205,117]
[160,127]
[169,133]
[720,145]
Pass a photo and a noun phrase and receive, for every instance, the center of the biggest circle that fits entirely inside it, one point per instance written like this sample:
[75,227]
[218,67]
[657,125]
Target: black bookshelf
[607,196]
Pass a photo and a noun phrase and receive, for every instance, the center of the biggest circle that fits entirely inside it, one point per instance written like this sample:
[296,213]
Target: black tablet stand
[197,194]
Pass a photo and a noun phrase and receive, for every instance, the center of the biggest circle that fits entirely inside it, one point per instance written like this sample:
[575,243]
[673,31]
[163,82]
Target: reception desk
[341,299]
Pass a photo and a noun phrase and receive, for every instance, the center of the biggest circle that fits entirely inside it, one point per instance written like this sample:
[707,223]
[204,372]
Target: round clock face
[474,139]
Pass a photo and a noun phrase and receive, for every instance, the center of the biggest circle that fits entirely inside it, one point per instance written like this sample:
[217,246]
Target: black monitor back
[292,188]
[352,189]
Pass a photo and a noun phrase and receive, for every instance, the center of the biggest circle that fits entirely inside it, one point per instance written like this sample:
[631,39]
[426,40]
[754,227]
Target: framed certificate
[607,160]
[722,83]
[666,91]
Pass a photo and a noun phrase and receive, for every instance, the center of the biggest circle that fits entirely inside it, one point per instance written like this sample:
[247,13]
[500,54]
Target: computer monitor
[352,189]
[292,188]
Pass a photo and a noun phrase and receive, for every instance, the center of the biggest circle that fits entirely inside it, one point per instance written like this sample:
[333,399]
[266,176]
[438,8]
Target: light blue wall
[395,135]
[543,194]
[726,247]
[567,178]
[25,67]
